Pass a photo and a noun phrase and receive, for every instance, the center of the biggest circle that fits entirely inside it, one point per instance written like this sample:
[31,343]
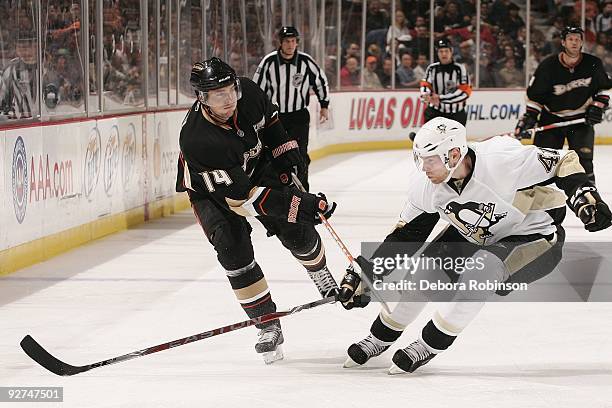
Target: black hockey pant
[297,125]
[230,235]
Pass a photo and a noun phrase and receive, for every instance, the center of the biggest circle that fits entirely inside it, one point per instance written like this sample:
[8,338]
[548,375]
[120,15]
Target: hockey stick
[37,352]
[347,253]
[535,130]
[532,132]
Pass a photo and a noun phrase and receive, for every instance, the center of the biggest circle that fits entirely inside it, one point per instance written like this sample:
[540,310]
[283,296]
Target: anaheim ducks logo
[473,219]
[251,154]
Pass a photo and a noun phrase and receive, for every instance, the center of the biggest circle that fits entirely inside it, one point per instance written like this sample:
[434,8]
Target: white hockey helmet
[438,137]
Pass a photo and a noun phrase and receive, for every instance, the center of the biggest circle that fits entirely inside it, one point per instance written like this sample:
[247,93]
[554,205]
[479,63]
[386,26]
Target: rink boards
[380,119]
[68,183]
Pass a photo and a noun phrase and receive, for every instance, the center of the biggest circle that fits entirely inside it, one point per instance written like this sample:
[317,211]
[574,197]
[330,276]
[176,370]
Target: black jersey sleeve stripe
[319,84]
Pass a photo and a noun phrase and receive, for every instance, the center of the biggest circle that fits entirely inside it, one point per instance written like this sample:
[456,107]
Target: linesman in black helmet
[446,86]
[287,76]
[235,162]
[565,87]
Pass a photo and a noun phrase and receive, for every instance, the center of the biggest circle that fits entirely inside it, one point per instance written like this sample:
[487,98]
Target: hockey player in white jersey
[496,197]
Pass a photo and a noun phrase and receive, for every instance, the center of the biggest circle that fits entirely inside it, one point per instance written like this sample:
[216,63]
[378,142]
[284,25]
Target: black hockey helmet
[571,30]
[442,43]
[213,74]
[287,32]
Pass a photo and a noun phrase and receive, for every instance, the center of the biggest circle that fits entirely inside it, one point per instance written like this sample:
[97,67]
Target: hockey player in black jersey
[565,87]
[236,161]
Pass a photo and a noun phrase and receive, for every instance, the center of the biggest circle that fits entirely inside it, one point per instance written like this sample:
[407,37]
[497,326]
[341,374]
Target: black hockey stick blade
[46,360]
[56,366]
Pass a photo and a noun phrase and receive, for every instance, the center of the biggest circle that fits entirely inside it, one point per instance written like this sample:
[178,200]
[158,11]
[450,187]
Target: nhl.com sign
[20,179]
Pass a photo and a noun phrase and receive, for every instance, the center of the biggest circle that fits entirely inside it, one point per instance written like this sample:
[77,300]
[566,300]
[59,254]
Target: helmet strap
[446,160]
[213,117]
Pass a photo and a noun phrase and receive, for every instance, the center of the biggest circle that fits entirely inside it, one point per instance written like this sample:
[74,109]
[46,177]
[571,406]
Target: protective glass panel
[456,23]
[123,67]
[190,48]
[503,38]
[92,66]
[236,31]
[172,95]
[379,37]
[330,42]
[259,35]
[152,56]
[214,28]
[63,69]
[350,74]
[18,61]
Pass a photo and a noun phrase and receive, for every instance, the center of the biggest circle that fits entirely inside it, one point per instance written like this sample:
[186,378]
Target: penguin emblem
[473,219]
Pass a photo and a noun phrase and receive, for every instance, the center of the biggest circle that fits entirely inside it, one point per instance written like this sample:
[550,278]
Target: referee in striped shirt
[286,76]
[446,86]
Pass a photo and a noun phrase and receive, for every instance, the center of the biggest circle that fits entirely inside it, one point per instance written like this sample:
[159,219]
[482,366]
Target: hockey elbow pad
[594,112]
[291,205]
[590,208]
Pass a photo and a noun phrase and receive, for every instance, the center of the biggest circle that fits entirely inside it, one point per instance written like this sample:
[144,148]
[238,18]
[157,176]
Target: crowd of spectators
[401,41]
[395,42]
[503,37]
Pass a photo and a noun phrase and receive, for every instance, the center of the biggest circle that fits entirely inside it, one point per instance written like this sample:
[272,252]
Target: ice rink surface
[160,282]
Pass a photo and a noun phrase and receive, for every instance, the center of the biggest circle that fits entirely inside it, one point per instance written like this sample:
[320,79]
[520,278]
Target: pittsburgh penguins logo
[473,219]
[549,158]
[441,128]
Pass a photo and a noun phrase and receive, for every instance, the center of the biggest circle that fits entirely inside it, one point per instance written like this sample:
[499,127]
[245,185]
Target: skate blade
[270,357]
[394,370]
[350,363]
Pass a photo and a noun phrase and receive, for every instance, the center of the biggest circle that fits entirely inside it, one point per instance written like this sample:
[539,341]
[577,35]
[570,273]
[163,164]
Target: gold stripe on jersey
[245,207]
[569,164]
[526,253]
[538,198]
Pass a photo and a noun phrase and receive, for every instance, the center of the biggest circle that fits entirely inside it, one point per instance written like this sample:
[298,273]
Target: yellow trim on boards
[41,249]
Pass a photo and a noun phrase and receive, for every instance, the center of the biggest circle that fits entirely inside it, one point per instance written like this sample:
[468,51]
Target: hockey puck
[411,135]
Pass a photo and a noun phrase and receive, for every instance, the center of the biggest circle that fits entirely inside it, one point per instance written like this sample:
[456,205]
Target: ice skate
[408,359]
[325,282]
[359,353]
[269,343]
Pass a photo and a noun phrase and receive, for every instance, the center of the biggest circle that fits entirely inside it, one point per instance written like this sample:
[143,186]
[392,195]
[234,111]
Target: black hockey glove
[325,207]
[527,122]
[590,208]
[287,159]
[352,293]
[595,111]
[290,204]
